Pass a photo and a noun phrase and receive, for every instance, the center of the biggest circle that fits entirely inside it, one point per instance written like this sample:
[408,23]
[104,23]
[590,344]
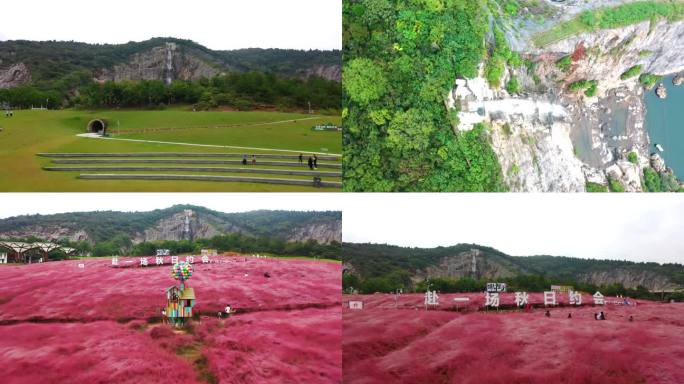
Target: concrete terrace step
[190,161]
[184,154]
[198,169]
[324,184]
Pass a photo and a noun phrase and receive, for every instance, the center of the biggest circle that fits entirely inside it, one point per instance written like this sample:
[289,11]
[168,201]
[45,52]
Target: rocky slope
[329,72]
[168,62]
[177,223]
[474,263]
[14,75]
[551,139]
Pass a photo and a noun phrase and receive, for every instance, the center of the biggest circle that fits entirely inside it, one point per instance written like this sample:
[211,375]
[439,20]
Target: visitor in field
[244,159]
[631,318]
[253,159]
[547,314]
[228,310]
[569,315]
[301,159]
[311,166]
[315,160]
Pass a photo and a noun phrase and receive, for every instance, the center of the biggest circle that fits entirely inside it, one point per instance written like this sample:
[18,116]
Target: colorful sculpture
[180,300]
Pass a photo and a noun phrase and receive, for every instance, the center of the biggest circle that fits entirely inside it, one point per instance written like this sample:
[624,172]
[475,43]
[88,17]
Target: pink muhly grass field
[63,324]
[411,345]
[100,292]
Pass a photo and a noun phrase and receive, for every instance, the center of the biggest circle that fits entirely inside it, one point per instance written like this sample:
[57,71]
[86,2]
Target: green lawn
[291,135]
[31,132]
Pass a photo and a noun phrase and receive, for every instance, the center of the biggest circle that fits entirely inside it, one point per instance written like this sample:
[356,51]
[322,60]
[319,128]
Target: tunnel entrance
[97,126]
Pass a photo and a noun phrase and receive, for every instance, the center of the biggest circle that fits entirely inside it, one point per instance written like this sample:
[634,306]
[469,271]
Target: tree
[363,81]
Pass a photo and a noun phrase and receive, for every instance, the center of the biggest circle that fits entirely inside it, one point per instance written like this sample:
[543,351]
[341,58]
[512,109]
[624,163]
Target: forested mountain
[163,71]
[159,224]
[387,267]
[183,229]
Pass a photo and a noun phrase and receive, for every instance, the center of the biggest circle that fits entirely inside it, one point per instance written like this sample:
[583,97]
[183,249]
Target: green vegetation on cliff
[383,268]
[611,17]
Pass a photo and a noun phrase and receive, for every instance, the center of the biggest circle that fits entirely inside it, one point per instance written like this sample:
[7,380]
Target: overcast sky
[219,25]
[635,227]
[14,204]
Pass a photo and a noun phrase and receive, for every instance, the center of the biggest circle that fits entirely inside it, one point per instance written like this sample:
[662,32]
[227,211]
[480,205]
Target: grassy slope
[611,17]
[30,132]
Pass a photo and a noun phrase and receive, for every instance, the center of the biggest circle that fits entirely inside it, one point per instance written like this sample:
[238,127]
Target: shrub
[564,63]
[591,91]
[648,80]
[615,185]
[595,187]
[513,85]
[633,158]
[632,72]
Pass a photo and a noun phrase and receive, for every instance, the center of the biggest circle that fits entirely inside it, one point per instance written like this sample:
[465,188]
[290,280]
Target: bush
[591,91]
[615,185]
[513,86]
[648,80]
[651,180]
[633,158]
[632,72]
[565,63]
[595,187]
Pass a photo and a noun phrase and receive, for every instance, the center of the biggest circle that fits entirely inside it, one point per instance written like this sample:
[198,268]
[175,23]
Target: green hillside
[384,268]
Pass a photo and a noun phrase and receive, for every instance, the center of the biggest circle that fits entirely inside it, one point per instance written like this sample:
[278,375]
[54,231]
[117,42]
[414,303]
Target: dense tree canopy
[401,60]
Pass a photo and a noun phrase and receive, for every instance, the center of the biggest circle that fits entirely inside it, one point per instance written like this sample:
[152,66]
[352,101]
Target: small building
[180,302]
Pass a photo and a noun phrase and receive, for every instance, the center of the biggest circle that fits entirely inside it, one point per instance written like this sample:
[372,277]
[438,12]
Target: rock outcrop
[52,232]
[166,63]
[14,76]
[630,279]
[656,47]
[324,233]
[329,72]
[474,264]
[186,225]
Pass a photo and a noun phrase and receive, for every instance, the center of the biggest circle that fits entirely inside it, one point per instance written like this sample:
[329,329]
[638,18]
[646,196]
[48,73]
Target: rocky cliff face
[329,72]
[630,279]
[50,232]
[656,47]
[166,63]
[14,75]
[186,225]
[474,264]
[324,233]
[550,139]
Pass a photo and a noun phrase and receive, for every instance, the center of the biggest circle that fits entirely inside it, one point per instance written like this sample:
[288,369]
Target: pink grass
[63,324]
[411,345]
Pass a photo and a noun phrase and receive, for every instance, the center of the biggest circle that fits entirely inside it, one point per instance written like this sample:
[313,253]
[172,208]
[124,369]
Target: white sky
[219,25]
[635,227]
[14,204]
